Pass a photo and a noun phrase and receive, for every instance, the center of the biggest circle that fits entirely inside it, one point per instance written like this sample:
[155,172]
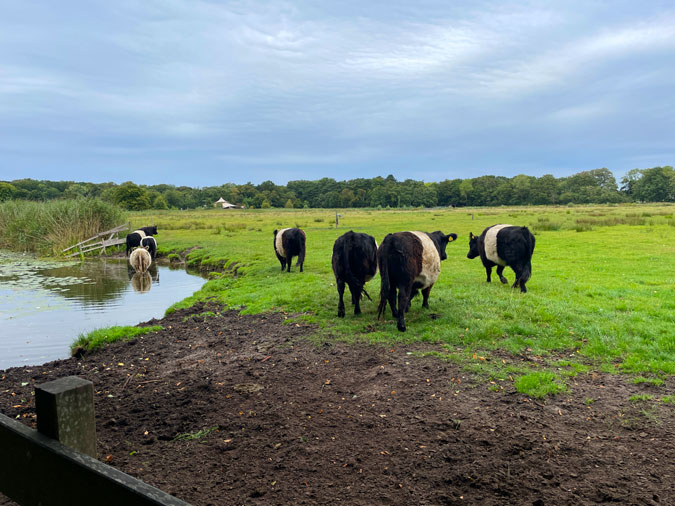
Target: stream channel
[45,305]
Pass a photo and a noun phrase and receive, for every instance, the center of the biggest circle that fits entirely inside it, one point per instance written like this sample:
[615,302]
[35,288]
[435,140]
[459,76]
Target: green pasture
[601,296]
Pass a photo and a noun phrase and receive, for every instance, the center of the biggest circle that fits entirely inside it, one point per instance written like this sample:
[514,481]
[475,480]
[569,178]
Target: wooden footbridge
[99,241]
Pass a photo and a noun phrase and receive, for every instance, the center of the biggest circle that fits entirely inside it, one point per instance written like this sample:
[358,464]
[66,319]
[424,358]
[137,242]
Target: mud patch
[273,419]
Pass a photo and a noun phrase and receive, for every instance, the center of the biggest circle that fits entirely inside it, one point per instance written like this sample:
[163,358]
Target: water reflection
[45,305]
[141,282]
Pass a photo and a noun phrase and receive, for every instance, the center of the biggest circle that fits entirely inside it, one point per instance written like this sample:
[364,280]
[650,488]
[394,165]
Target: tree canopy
[593,186]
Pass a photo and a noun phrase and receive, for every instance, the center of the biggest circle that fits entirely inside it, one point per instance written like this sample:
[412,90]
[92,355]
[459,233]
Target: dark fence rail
[38,470]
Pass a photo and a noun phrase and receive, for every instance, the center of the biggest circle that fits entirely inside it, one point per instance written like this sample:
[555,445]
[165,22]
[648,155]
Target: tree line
[588,187]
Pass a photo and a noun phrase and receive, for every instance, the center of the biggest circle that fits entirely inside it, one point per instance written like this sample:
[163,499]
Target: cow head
[473,246]
[441,241]
[153,230]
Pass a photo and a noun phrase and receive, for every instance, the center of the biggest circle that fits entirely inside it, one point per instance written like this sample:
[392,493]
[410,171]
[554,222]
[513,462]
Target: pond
[45,305]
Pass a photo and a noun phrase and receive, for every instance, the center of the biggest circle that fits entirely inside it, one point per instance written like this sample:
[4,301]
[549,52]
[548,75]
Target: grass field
[601,296]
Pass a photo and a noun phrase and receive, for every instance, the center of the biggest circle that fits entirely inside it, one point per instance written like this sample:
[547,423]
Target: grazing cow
[140,259]
[503,245]
[134,238]
[289,242]
[409,261]
[354,263]
[150,243]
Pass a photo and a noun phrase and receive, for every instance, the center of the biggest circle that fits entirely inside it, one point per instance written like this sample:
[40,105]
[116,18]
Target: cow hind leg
[425,297]
[341,302]
[355,289]
[520,279]
[403,302]
[391,297]
[488,271]
[289,260]
[500,270]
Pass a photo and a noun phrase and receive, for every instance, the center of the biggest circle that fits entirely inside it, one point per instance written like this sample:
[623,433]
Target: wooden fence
[36,469]
[99,241]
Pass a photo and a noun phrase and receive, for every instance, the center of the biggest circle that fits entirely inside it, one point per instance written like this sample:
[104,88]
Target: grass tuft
[100,337]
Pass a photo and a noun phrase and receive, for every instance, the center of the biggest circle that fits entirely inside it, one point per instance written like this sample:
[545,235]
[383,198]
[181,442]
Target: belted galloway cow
[354,263]
[140,260]
[135,237]
[408,262]
[288,243]
[503,245]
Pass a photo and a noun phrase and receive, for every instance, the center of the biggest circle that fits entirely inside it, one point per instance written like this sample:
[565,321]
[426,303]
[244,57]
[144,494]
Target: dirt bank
[240,409]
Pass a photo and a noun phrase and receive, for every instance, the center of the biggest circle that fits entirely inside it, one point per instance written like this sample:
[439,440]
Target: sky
[202,93]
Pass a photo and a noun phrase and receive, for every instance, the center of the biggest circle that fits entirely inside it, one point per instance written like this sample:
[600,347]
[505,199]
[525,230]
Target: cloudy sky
[202,93]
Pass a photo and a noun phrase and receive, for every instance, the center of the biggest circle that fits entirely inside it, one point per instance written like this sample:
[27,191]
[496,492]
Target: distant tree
[545,190]
[289,204]
[76,190]
[132,197]
[7,191]
[448,192]
[159,202]
[466,192]
[656,185]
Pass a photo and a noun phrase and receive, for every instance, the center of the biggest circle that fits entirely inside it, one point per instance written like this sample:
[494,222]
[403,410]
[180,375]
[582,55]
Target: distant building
[225,204]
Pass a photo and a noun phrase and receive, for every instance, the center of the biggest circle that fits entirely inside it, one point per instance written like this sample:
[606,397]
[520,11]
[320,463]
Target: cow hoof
[341,314]
[401,328]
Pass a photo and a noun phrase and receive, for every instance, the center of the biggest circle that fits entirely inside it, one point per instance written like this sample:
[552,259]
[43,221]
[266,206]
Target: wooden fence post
[65,412]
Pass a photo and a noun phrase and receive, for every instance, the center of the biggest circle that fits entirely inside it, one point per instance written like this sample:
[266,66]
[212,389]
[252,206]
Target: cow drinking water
[409,261]
[354,263]
[289,242]
[503,245]
[150,243]
[135,237]
[140,260]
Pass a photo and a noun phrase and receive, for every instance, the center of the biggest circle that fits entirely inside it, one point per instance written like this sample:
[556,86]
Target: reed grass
[46,228]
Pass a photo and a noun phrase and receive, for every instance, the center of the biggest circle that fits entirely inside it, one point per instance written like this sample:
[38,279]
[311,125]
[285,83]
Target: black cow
[134,238]
[503,245]
[409,261]
[289,242]
[354,263]
[151,244]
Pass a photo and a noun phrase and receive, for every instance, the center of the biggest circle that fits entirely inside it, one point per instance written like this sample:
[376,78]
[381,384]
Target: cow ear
[450,238]
[471,236]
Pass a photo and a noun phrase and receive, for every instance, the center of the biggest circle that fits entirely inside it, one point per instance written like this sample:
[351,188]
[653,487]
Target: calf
[289,242]
[409,261]
[140,259]
[150,243]
[503,245]
[354,263]
[134,238]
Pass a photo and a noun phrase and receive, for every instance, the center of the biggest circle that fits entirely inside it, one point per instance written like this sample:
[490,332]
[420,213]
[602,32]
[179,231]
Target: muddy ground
[283,421]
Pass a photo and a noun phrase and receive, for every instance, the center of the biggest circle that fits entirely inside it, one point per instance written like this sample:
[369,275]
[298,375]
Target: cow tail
[527,269]
[384,285]
[347,267]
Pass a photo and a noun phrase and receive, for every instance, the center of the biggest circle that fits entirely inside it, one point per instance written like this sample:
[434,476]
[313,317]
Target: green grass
[539,384]
[640,398]
[100,337]
[190,436]
[600,296]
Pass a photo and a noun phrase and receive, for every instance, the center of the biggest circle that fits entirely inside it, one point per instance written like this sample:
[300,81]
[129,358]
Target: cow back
[431,261]
[490,243]
[279,244]
[355,255]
